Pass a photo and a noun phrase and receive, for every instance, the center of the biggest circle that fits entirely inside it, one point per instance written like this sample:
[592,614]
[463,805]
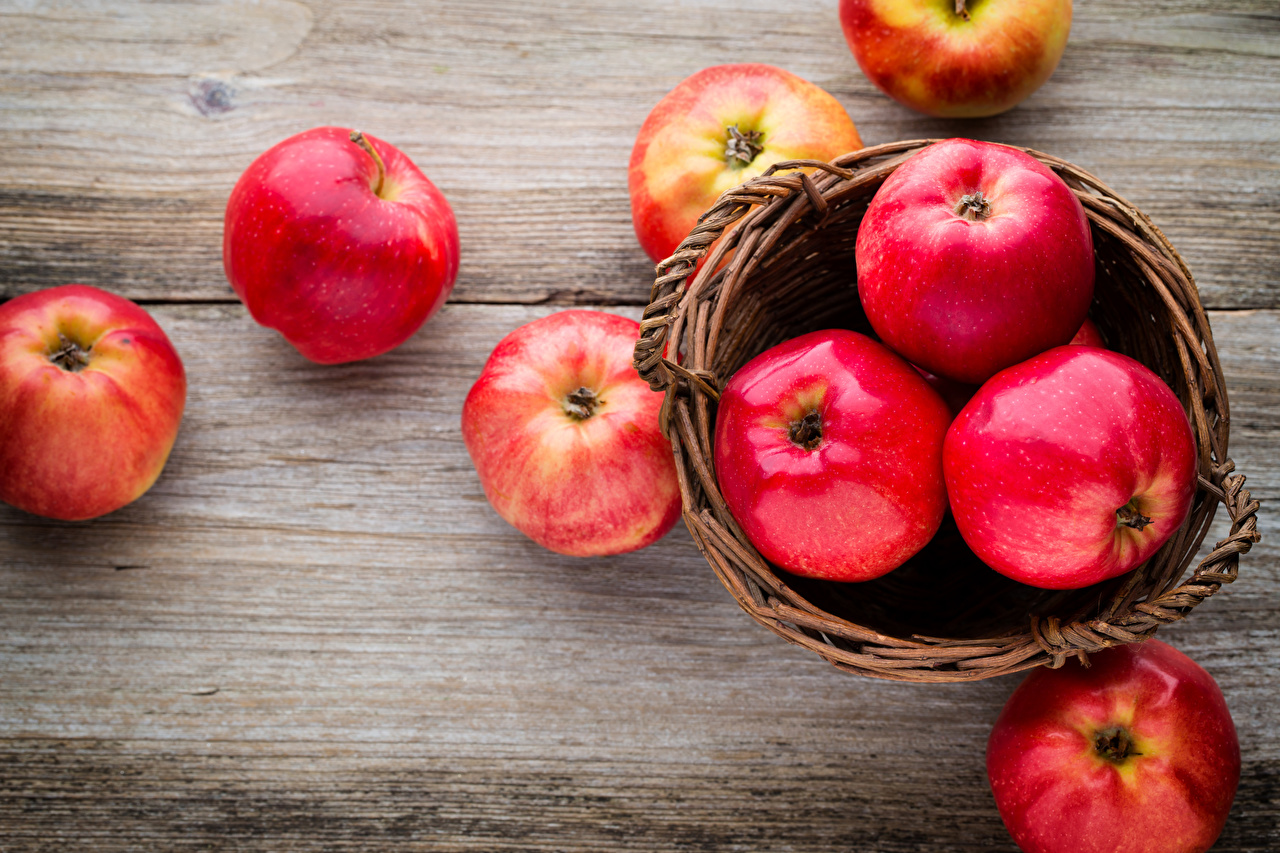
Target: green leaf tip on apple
[807,432]
[70,356]
[1114,744]
[582,404]
[974,207]
[742,148]
[1128,516]
[358,138]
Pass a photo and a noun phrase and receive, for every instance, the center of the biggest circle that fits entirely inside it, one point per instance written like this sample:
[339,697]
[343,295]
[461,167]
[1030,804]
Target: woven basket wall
[943,616]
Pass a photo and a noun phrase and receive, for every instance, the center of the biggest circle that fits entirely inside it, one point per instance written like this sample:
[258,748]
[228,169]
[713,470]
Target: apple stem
[1129,516]
[807,432]
[581,404]
[973,207]
[70,355]
[961,10]
[1115,745]
[743,147]
[358,138]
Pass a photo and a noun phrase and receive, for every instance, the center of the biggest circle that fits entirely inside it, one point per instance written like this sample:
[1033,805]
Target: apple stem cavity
[973,207]
[70,356]
[1128,516]
[807,432]
[582,404]
[961,10]
[742,147]
[358,138]
[1114,744]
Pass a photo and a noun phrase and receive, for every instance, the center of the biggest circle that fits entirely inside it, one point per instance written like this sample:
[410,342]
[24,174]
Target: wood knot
[212,97]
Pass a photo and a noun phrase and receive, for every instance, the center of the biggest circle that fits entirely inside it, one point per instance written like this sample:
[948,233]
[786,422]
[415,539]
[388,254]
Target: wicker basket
[943,616]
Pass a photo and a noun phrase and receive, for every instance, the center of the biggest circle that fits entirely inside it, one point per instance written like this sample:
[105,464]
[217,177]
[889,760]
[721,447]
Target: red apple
[1137,754]
[973,257]
[954,394]
[564,435]
[91,394]
[718,128]
[828,452]
[957,59]
[1088,335]
[336,240]
[1070,468]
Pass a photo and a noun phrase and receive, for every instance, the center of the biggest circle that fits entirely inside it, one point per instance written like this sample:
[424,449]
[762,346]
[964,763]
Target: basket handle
[758,195]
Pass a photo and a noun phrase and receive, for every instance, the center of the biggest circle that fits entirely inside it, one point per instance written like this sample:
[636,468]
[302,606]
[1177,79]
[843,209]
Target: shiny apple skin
[343,273]
[870,494]
[926,57]
[1040,460]
[77,444]
[1057,794]
[965,299]
[601,485]
[678,166]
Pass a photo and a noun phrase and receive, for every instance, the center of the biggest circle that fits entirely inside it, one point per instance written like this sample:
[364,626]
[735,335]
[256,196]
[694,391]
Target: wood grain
[314,633]
[126,126]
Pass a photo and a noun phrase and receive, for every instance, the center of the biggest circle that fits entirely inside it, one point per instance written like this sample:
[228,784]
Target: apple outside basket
[944,615]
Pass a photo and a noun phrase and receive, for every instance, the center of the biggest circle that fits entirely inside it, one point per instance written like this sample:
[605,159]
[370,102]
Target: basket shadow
[945,590]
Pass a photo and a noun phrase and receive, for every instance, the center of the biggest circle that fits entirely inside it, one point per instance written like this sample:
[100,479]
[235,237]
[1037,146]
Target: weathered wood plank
[126,126]
[395,665]
[315,634]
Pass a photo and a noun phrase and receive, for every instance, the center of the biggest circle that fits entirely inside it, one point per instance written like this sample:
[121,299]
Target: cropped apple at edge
[1136,753]
[339,242]
[91,396]
[957,58]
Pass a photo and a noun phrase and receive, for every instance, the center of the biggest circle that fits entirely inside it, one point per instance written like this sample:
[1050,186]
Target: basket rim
[795,198]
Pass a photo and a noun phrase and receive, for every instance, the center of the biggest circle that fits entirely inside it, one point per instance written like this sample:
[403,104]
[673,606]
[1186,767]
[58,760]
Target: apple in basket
[91,395]
[973,257]
[564,435]
[828,452]
[1070,468]
[1088,335]
[340,243]
[953,58]
[718,128]
[956,394]
[1136,753]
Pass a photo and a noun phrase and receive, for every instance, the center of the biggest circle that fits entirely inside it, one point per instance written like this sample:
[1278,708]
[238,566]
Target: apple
[338,241]
[718,128]
[973,257]
[954,394]
[564,435]
[828,452]
[1070,468]
[957,59]
[91,395]
[1088,335]
[1136,753]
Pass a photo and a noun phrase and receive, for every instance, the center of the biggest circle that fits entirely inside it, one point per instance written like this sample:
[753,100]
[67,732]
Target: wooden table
[314,633]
